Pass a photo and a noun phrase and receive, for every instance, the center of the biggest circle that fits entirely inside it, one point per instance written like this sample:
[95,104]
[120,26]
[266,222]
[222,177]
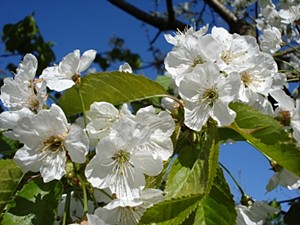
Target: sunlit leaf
[173,211]
[114,87]
[36,203]
[194,169]
[10,176]
[267,135]
[218,207]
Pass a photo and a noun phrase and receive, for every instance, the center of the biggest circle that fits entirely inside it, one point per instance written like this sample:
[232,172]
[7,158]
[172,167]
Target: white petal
[195,116]
[50,122]
[69,65]
[55,80]
[223,114]
[27,68]
[77,144]
[53,165]
[27,159]
[285,102]
[146,163]
[86,59]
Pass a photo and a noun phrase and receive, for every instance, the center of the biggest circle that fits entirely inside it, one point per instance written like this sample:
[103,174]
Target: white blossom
[161,127]
[234,50]
[256,214]
[284,178]
[270,40]
[194,51]
[258,78]
[23,90]
[125,68]
[64,75]
[181,37]
[120,163]
[129,212]
[102,116]
[48,140]
[291,14]
[207,93]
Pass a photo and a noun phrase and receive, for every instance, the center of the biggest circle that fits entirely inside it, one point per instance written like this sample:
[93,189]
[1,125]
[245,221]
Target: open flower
[64,75]
[23,90]
[129,212]
[120,163]
[234,50]
[194,51]
[207,93]
[48,141]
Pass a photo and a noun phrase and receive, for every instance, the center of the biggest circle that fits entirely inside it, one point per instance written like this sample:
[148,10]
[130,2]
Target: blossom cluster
[211,70]
[118,148]
[125,147]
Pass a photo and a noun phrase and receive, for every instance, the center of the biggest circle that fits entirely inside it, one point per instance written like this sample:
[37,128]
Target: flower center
[284,118]
[33,103]
[121,156]
[227,57]
[54,143]
[197,61]
[210,95]
[246,78]
[76,78]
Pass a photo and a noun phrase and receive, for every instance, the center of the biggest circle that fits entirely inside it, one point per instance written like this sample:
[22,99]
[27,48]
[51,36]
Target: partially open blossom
[255,214]
[125,68]
[24,90]
[284,178]
[64,75]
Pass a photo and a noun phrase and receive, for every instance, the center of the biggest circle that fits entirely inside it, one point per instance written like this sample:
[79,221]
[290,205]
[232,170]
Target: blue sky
[89,24]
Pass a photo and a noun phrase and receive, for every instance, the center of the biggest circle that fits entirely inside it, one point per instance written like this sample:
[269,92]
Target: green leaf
[164,81]
[173,211]
[267,135]
[218,207]
[114,87]
[8,146]
[10,176]
[193,171]
[228,135]
[35,204]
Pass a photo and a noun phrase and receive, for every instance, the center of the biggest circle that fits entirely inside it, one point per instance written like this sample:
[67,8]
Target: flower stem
[85,199]
[234,180]
[67,209]
[82,106]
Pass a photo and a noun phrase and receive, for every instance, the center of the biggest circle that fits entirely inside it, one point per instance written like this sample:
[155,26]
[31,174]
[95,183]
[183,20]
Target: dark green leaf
[113,87]
[35,204]
[267,135]
[293,216]
[10,176]
[193,171]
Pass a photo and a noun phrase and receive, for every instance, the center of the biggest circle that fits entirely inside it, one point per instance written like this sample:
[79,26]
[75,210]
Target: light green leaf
[218,207]
[114,87]
[10,176]
[193,171]
[267,135]
[164,81]
[173,211]
[35,204]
